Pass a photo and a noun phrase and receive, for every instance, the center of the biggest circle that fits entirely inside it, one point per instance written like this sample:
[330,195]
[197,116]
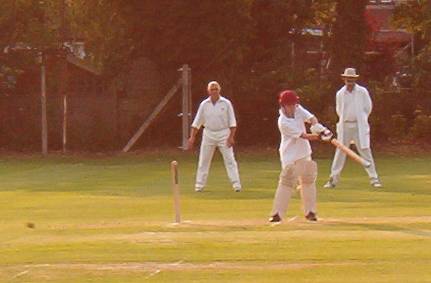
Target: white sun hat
[350,73]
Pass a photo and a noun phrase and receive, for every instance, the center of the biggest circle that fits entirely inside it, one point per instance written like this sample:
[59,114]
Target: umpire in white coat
[217,116]
[353,106]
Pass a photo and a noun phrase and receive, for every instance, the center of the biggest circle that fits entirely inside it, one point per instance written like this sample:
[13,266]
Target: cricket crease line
[21,273]
[156,267]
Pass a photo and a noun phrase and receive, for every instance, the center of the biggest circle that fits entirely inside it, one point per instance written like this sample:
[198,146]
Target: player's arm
[197,123]
[338,104]
[194,131]
[368,104]
[231,138]
[318,131]
[308,117]
[232,125]
[310,137]
[192,138]
[313,120]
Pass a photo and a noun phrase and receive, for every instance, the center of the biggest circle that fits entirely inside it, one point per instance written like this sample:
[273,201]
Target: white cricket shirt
[292,146]
[215,117]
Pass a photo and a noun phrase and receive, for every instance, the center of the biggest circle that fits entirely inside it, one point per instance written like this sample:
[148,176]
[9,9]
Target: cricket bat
[350,153]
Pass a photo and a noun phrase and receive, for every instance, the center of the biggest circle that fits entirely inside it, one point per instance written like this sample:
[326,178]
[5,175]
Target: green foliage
[415,16]
[395,128]
[349,35]
[421,129]
[246,44]
[33,23]
[30,26]
[170,33]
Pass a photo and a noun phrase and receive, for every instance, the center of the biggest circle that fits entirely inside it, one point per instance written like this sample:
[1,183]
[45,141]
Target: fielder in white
[295,155]
[353,106]
[217,116]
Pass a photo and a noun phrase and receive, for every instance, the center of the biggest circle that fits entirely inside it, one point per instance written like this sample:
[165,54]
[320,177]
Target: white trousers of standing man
[210,141]
[351,133]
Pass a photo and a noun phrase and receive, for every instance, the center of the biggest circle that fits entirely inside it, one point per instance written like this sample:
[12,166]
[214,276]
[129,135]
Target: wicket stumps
[176,191]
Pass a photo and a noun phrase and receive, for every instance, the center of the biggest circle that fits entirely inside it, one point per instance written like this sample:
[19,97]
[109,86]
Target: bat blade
[351,153]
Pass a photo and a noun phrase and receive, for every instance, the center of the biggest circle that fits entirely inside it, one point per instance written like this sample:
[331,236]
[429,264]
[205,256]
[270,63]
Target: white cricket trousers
[304,172]
[211,141]
[351,133]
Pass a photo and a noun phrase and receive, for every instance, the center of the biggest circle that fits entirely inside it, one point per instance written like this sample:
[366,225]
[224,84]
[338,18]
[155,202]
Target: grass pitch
[109,219]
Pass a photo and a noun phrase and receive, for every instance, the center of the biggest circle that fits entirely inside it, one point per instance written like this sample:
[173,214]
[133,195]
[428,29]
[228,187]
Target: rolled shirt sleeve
[231,116]
[305,114]
[338,104]
[199,118]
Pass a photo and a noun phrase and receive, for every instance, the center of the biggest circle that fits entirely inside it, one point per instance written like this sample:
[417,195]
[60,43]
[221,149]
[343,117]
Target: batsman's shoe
[330,184]
[198,189]
[275,218]
[311,216]
[237,190]
[375,182]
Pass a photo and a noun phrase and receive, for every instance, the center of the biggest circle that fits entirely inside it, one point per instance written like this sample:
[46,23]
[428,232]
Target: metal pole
[43,105]
[292,55]
[12,37]
[190,101]
[63,74]
[185,105]
[412,49]
[64,123]
[62,20]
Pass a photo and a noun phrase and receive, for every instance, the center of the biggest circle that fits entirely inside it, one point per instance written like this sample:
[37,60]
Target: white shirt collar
[284,114]
[354,88]
[221,98]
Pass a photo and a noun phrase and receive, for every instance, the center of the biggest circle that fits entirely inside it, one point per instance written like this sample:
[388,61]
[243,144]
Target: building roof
[379,20]
[83,64]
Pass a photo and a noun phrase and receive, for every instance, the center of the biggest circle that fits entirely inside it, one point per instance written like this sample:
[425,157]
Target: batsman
[295,155]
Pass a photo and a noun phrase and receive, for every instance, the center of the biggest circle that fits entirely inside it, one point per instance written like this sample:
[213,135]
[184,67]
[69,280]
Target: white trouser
[351,133]
[211,140]
[304,172]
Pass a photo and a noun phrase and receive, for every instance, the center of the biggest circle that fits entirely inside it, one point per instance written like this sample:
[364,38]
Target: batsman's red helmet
[288,97]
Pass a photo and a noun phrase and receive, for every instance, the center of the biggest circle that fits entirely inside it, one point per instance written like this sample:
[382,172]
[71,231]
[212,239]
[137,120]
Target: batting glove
[317,129]
[326,135]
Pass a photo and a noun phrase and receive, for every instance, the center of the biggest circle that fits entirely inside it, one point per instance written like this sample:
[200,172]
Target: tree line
[255,47]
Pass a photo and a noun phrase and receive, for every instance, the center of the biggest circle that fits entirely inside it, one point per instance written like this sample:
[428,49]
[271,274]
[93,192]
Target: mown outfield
[108,219]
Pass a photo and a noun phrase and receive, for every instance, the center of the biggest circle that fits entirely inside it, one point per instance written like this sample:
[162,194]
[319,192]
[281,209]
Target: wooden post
[185,105]
[292,55]
[176,191]
[321,62]
[43,105]
[153,115]
[190,101]
[13,35]
[64,123]
[63,71]
[412,47]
